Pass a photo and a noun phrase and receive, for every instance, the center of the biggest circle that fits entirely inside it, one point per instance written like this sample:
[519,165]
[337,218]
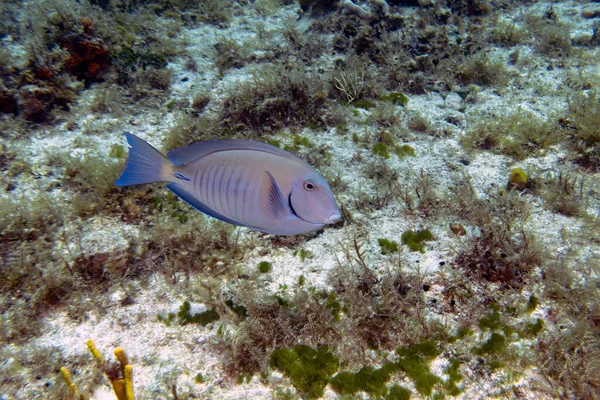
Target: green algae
[414,240]
[398,392]
[381,149]
[454,376]
[364,104]
[532,329]
[303,254]
[404,151]
[414,361]
[398,98]
[372,381]
[532,304]
[334,305]
[387,246]
[495,345]
[264,267]
[460,334]
[238,309]
[308,369]
[204,318]
[185,316]
[492,321]
[199,378]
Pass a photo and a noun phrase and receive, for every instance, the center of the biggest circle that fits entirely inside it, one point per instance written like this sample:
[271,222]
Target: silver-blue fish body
[239,181]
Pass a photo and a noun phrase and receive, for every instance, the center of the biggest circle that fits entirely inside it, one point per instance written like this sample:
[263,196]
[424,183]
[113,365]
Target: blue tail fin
[144,163]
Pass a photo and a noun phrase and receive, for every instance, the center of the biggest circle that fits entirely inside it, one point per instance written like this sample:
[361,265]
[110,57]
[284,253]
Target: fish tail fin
[145,164]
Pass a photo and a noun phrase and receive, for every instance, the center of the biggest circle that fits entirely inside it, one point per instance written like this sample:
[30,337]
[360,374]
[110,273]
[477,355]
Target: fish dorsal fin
[198,205]
[275,206]
[187,154]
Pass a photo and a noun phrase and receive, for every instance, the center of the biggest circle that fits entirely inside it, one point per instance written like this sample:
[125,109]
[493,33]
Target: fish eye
[309,185]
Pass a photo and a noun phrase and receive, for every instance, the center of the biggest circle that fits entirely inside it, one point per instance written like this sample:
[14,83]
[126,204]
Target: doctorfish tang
[241,182]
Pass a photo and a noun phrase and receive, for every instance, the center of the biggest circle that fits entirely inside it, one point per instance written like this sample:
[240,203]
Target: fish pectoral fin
[275,202]
[198,205]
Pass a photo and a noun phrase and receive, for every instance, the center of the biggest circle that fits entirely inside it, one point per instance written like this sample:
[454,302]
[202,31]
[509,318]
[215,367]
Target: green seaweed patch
[302,141]
[396,98]
[265,267]
[532,329]
[511,311]
[170,104]
[404,151]
[532,304]
[297,143]
[364,104]
[496,344]
[460,334]
[199,378]
[181,217]
[398,392]
[414,361]
[244,378]
[274,142]
[414,240]
[308,369]
[367,379]
[156,202]
[335,306]
[387,246]
[454,377]
[303,254]
[282,297]
[238,309]
[167,319]
[492,321]
[381,149]
[186,316]
[127,57]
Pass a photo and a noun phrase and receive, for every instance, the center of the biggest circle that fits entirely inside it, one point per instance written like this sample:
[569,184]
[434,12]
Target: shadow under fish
[241,182]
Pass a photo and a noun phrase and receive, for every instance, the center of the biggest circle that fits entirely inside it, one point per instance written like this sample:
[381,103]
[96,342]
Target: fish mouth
[333,218]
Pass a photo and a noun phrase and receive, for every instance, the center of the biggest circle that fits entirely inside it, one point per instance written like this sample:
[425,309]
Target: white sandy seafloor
[165,355]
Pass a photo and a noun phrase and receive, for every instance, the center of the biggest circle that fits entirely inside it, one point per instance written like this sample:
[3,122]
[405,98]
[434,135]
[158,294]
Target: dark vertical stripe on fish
[210,194]
[217,196]
[203,185]
[224,192]
[236,192]
[249,195]
[197,182]
[229,189]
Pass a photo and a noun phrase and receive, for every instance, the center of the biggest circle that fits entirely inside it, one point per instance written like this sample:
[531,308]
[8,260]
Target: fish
[241,182]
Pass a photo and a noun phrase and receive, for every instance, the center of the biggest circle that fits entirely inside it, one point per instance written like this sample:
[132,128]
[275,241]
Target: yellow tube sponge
[66,375]
[121,356]
[128,371]
[74,393]
[119,388]
[92,347]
